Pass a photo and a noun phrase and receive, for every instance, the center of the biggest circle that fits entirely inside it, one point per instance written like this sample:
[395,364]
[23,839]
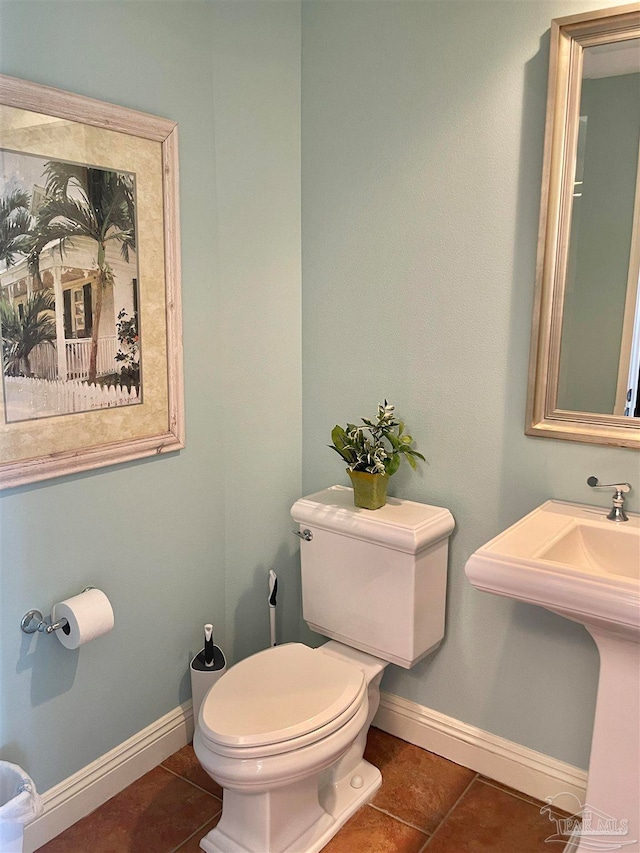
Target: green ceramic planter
[369,490]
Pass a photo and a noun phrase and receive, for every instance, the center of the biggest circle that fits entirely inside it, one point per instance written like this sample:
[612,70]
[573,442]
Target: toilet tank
[374,580]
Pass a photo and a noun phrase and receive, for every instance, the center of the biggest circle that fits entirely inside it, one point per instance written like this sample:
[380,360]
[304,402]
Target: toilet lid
[279,694]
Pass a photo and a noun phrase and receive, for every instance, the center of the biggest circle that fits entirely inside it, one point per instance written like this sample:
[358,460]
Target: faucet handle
[617,512]
[619,487]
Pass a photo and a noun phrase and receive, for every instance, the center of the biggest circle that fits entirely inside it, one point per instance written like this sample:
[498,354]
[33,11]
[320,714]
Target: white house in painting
[72,277]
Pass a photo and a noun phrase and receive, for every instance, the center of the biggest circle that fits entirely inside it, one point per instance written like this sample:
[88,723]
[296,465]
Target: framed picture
[90,315]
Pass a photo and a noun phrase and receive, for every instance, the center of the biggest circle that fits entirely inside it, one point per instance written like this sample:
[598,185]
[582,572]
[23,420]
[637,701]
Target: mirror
[584,373]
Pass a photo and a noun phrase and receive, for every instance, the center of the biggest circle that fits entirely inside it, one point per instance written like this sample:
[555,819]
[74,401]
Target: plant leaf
[338,434]
[391,464]
[346,458]
[341,444]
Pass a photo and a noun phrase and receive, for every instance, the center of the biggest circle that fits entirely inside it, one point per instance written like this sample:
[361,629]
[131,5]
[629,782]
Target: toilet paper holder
[33,621]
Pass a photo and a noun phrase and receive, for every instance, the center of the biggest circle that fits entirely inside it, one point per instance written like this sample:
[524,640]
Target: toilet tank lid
[278,694]
[400,524]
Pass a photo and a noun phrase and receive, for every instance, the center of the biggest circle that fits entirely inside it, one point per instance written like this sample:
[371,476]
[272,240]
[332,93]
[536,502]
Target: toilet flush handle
[306,534]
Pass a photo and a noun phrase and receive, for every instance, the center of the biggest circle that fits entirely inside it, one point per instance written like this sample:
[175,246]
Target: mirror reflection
[599,363]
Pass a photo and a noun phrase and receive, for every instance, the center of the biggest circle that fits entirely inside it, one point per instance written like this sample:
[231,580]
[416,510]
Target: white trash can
[19,803]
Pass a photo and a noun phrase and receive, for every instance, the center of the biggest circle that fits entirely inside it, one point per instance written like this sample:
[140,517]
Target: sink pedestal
[612,802]
[574,561]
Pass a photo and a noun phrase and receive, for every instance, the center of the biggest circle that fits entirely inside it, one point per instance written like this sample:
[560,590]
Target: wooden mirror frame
[569,37]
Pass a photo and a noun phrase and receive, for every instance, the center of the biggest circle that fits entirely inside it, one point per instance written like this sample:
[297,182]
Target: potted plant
[373,453]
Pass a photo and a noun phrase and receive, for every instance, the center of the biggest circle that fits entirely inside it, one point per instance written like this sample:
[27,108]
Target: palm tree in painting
[15,222]
[23,330]
[19,234]
[82,201]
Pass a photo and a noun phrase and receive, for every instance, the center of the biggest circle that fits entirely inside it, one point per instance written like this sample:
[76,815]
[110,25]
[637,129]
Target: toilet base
[337,803]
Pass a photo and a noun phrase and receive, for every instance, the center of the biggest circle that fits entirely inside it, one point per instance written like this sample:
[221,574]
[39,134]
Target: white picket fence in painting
[79,351]
[44,365]
[42,361]
[27,398]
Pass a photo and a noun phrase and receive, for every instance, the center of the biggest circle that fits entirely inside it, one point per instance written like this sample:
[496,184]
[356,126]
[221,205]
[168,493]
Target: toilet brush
[273,591]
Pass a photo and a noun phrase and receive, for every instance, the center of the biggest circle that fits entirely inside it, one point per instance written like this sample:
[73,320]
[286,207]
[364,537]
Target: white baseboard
[93,785]
[524,769]
[530,772]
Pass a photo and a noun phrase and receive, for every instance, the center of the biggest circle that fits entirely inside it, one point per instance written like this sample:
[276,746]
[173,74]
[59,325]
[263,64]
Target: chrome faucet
[617,510]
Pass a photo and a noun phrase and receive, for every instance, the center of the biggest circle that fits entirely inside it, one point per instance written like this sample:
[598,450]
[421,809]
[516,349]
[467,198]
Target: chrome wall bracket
[33,621]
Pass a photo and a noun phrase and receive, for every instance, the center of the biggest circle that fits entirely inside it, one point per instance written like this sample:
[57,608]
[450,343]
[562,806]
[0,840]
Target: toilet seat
[278,700]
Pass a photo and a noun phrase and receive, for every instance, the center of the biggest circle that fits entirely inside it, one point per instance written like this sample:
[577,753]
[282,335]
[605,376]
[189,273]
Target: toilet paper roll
[89,615]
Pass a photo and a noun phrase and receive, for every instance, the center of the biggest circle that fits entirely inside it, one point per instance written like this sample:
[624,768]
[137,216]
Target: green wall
[421,149]
[180,540]
[422,153]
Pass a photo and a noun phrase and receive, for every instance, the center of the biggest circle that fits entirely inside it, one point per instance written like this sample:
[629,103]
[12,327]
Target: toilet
[284,731]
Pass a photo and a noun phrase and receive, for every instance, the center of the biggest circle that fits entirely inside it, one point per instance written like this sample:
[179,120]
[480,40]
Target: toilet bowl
[284,734]
[284,731]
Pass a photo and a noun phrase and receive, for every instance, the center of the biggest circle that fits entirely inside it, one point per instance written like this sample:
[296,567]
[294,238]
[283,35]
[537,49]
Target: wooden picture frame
[40,122]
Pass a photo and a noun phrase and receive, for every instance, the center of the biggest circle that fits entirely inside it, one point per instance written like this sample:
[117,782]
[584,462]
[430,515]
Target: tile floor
[426,803]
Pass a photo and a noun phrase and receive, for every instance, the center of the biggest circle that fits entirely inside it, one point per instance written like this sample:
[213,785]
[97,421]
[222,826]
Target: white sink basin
[598,549]
[572,560]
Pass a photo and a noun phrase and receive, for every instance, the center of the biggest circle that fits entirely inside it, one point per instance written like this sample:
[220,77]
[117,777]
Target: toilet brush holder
[203,677]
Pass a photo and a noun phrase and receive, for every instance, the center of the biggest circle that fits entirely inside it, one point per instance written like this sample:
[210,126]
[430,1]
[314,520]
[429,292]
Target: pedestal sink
[572,560]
